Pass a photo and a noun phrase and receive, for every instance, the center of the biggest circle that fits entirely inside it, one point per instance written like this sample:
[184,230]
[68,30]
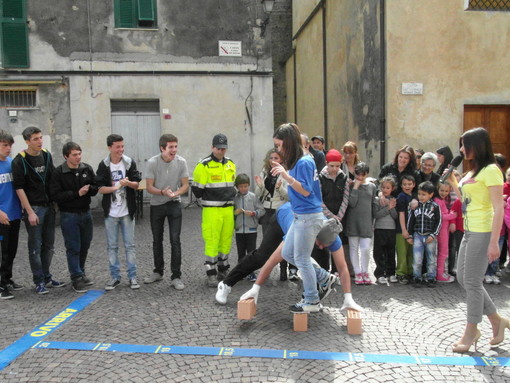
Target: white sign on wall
[229,48]
[412,88]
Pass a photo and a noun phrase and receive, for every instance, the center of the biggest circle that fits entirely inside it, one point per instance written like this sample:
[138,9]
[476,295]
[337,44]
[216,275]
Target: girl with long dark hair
[305,197]
[481,190]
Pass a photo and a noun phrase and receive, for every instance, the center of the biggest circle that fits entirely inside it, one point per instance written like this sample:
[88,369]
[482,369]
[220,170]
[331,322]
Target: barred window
[18,98]
[488,5]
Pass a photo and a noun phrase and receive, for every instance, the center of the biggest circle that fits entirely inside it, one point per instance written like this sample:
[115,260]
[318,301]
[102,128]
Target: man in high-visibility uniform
[213,183]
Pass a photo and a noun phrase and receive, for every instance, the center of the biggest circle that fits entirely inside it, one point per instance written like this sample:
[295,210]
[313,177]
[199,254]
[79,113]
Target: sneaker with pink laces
[366,279]
[445,278]
[358,280]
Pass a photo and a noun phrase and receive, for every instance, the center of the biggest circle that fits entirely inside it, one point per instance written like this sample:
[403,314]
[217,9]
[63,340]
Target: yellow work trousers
[217,231]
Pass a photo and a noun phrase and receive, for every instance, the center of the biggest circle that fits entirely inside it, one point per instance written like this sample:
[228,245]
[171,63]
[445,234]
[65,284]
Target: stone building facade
[394,72]
[82,69]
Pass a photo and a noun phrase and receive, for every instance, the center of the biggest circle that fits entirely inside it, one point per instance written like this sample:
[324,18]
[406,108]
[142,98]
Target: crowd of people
[314,205]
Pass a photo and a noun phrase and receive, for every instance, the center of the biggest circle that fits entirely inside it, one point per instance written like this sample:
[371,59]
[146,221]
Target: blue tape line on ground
[11,352]
[279,354]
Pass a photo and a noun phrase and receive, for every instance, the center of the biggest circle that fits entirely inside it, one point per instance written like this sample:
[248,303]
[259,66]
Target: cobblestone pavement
[398,320]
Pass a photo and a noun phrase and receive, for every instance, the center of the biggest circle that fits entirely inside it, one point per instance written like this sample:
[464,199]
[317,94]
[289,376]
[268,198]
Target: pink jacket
[447,217]
[507,214]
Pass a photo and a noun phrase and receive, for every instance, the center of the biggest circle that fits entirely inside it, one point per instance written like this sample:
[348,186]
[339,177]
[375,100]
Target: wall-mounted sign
[230,48]
[412,88]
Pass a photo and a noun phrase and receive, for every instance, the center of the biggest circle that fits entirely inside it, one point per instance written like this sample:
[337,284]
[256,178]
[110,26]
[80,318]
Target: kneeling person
[270,248]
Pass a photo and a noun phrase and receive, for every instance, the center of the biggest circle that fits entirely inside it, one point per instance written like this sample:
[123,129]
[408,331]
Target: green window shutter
[15,45]
[125,14]
[146,10]
[13,9]
[14,34]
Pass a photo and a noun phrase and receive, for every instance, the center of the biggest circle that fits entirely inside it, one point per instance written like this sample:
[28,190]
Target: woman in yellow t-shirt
[482,206]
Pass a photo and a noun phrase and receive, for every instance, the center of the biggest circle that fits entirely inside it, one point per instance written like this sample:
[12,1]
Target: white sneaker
[446,278]
[393,279]
[222,293]
[382,281]
[488,279]
[495,280]
[133,283]
[177,284]
[154,277]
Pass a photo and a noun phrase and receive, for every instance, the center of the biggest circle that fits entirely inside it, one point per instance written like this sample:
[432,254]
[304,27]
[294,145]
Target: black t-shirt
[32,174]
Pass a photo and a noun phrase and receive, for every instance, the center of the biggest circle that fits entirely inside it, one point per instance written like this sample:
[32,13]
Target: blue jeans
[40,243]
[298,249]
[77,232]
[114,226]
[494,266]
[420,245]
[172,212]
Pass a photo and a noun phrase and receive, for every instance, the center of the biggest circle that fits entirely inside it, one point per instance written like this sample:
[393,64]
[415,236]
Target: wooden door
[494,118]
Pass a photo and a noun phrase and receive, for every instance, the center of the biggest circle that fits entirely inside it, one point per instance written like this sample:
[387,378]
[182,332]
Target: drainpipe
[324,71]
[295,86]
[382,138]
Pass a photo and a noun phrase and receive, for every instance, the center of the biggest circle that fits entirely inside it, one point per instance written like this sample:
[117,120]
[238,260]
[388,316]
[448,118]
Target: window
[18,98]
[488,5]
[13,34]
[135,13]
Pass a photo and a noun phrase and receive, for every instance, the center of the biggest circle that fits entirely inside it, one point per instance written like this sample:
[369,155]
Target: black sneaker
[5,294]
[293,275]
[302,307]
[86,280]
[417,282]
[54,283]
[14,286]
[79,285]
[221,275]
[431,283]
[327,287]
[402,279]
[113,283]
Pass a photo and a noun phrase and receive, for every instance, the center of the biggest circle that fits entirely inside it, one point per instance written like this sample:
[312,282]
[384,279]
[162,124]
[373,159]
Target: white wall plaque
[229,48]
[412,88]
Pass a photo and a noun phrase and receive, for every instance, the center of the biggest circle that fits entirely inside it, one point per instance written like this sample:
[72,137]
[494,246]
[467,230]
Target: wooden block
[354,322]
[300,321]
[246,309]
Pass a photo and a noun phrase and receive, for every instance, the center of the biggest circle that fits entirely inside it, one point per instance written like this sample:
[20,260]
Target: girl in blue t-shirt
[306,201]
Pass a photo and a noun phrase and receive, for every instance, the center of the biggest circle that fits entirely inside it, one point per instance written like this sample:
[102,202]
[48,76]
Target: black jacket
[65,184]
[104,178]
[318,157]
[332,190]
[425,219]
[36,185]
[434,178]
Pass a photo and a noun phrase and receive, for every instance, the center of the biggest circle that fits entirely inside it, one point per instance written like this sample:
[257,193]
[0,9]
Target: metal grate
[489,5]
[18,98]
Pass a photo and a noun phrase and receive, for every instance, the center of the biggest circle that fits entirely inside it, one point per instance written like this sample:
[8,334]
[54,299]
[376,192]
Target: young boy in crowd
[384,233]
[423,226]
[404,249]
[10,218]
[248,210]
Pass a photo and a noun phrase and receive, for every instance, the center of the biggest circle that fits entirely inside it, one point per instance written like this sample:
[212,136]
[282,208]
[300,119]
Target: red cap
[333,155]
